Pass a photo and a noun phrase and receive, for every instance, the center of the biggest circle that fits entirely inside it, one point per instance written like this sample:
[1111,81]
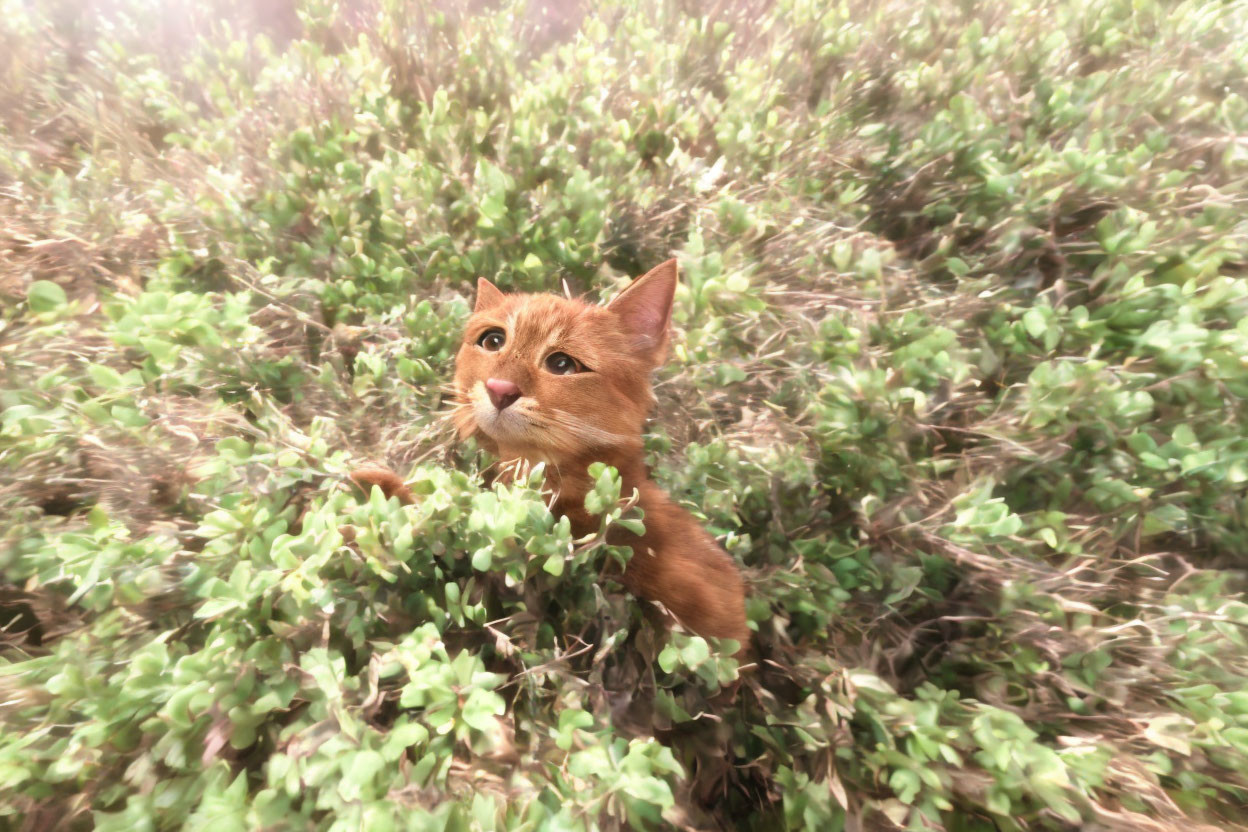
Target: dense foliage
[960,380]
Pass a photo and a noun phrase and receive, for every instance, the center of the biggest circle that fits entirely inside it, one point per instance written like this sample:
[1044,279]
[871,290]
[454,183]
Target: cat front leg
[696,582]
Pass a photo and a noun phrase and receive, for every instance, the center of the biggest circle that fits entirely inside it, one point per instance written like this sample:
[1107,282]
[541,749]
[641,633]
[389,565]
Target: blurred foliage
[959,379]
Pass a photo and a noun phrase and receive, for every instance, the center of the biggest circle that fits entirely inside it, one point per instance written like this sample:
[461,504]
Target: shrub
[959,379]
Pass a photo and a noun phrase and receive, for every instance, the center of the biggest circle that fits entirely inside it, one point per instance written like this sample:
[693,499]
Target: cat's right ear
[645,310]
[488,296]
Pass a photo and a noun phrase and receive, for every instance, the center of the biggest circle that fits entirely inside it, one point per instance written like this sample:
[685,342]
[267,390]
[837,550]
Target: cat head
[555,379]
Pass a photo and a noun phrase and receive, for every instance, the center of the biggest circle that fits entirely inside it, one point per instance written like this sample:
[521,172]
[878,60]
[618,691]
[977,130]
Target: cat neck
[569,480]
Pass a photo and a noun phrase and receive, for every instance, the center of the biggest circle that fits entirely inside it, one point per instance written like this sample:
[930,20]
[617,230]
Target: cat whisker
[462,419]
[586,432]
[556,434]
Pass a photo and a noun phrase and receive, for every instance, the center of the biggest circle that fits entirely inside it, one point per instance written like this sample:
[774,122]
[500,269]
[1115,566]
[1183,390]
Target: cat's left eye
[562,364]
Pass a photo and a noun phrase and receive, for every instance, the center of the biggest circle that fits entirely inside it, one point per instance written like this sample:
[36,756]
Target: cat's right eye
[492,340]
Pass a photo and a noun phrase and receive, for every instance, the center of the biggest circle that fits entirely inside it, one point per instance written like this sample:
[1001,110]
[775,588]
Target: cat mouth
[512,424]
[524,424]
[504,425]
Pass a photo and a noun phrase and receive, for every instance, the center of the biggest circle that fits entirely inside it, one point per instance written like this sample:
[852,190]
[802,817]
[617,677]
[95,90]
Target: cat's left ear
[645,310]
[488,296]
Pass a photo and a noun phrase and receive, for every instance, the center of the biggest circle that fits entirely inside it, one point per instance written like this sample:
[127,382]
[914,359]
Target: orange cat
[541,378]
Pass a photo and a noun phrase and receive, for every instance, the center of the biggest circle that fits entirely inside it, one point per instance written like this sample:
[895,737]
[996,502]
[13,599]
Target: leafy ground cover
[960,381]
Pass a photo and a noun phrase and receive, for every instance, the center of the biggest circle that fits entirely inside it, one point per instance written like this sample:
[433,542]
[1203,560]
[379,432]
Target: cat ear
[488,296]
[645,310]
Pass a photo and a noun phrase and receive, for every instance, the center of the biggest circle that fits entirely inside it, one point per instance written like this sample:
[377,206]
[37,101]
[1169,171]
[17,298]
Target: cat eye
[562,364]
[492,340]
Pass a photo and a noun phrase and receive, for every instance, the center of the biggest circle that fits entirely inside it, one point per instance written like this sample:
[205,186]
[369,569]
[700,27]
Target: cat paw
[390,483]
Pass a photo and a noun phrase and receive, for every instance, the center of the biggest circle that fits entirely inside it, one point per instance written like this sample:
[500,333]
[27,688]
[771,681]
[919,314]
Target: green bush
[959,379]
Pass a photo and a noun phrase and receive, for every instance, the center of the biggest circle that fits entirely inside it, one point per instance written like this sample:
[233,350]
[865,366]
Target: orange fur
[570,421]
[390,483]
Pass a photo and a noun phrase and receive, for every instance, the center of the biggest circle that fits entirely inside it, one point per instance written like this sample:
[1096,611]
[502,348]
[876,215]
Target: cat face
[553,379]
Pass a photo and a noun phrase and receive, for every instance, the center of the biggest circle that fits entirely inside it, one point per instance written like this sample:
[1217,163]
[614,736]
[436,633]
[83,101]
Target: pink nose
[502,393]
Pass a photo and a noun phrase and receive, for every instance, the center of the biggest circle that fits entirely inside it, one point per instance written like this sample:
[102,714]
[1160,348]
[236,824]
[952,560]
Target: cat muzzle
[502,393]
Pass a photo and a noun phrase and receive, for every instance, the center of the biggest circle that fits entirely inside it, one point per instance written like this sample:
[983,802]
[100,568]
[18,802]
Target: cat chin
[506,426]
[514,434]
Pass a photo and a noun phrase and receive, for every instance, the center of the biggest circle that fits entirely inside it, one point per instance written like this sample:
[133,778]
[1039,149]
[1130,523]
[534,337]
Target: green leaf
[483,558]
[668,658]
[651,790]
[361,771]
[1035,322]
[695,652]
[905,580]
[632,524]
[105,377]
[905,784]
[234,450]
[493,209]
[481,709]
[129,416]
[45,296]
